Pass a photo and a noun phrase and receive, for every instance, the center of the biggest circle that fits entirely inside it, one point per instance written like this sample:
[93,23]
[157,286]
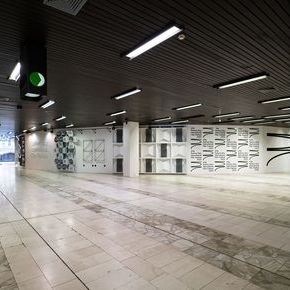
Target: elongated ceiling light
[285,108]
[276,116]
[69,126]
[187,107]
[180,122]
[162,119]
[254,120]
[242,118]
[227,115]
[110,123]
[15,74]
[241,81]
[265,123]
[283,120]
[24,131]
[32,95]
[127,93]
[60,118]
[32,128]
[270,101]
[154,41]
[47,104]
[44,124]
[117,113]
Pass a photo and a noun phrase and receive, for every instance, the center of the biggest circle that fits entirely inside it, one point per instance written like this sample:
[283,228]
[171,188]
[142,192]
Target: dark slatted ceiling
[225,40]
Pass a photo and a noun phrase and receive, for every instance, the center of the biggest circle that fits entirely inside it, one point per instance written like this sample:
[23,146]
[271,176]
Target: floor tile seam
[37,233]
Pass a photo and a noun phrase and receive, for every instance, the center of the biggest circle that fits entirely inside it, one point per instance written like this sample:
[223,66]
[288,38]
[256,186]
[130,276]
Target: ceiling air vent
[72,7]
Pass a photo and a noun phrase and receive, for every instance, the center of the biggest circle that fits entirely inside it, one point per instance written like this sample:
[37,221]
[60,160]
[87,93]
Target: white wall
[234,150]
[39,151]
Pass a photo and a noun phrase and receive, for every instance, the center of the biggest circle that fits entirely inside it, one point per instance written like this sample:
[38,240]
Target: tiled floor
[85,231]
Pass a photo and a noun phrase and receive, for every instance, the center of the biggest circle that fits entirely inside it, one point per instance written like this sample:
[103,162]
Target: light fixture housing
[242,118]
[47,104]
[180,122]
[242,81]
[226,115]
[283,120]
[44,124]
[276,116]
[117,113]
[285,108]
[275,100]
[60,118]
[162,119]
[15,74]
[69,126]
[127,93]
[110,123]
[187,107]
[169,31]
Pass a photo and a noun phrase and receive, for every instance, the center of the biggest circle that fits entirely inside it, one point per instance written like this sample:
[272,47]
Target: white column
[131,149]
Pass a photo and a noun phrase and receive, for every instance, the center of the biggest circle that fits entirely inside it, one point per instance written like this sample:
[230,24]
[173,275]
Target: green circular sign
[37,79]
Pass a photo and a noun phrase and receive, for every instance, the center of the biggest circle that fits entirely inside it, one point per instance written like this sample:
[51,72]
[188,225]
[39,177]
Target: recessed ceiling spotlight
[162,119]
[276,116]
[60,118]
[44,124]
[180,122]
[15,74]
[158,38]
[187,107]
[117,113]
[32,128]
[242,118]
[110,123]
[226,115]
[285,108]
[254,120]
[274,100]
[47,104]
[69,126]
[241,81]
[127,93]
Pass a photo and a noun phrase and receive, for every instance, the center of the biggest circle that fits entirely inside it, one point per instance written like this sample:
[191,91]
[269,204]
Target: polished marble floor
[86,231]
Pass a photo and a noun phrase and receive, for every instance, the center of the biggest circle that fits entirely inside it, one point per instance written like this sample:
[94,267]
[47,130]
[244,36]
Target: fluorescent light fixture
[227,115]
[60,118]
[276,116]
[187,107]
[154,41]
[162,119]
[32,128]
[69,126]
[32,95]
[283,120]
[288,122]
[47,104]
[44,124]
[24,131]
[254,120]
[265,123]
[15,74]
[110,123]
[117,113]
[285,108]
[270,101]
[245,80]
[242,118]
[127,93]
[180,122]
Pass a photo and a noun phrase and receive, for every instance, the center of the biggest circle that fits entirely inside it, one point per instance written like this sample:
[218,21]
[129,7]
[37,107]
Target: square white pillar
[131,149]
